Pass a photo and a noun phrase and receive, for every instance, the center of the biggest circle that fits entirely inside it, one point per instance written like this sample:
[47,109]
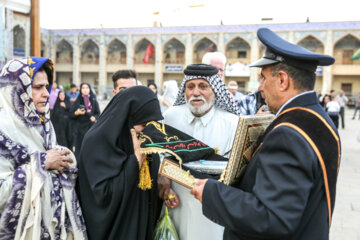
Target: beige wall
[63,78]
[89,77]
[318,84]
[354,80]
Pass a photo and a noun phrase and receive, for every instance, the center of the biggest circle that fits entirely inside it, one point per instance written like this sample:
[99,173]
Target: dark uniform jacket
[281,195]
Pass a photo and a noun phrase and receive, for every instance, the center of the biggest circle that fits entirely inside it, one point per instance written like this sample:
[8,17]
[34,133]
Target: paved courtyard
[346,217]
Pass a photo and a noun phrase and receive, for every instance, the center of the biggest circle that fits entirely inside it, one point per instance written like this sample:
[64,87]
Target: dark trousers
[355,111]
[335,119]
[342,113]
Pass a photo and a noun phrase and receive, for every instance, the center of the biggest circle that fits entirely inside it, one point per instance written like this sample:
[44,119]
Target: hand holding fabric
[57,160]
[93,119]
[198,190]
[136,143]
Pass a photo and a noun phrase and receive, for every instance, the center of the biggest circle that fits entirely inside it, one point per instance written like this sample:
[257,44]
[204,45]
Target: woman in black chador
[60,120]
[113,204]
[84,111]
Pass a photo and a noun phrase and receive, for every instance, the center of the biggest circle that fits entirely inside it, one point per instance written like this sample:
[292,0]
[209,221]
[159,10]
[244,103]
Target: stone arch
[238,50]
[89,52]
[174,52]
[140,50]
[312,43]
[64,52]
[19,41]
[201,47]
[344,49]
[116,52]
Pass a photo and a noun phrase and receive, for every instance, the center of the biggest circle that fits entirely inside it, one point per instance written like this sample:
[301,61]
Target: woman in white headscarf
[171,89]
[37,197]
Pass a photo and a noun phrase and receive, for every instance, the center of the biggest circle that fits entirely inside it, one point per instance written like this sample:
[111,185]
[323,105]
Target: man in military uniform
[288,189]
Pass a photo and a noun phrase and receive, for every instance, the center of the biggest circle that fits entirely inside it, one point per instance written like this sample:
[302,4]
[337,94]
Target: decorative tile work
[321,35]
[83,38]
[57,39]
[230,36]
[180,37]
[123,38]
[214,37]
[151,38]
[339,34]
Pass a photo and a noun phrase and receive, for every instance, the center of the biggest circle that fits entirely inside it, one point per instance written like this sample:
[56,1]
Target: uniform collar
[204,119]
[298,100]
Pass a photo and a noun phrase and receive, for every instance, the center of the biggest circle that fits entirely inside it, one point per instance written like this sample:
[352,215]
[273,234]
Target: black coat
[61,122]
[281,195]
[113,206]
[81,123]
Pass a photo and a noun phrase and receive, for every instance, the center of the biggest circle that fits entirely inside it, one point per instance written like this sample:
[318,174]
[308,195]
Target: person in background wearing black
[84,111]
[61,120]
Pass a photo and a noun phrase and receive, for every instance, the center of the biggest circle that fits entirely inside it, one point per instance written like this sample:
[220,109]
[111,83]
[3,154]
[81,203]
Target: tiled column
[76,61]
[102,66]
[327,71]
[10,40]
[129,53]
[254,83]
[221,43]
[158,62]
[188,51]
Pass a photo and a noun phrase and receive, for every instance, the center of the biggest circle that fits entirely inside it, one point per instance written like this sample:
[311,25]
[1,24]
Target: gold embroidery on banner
[142,137]
[168,139]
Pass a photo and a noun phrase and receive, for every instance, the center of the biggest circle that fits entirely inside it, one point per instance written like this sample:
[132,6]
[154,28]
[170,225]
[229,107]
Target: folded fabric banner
[161,138]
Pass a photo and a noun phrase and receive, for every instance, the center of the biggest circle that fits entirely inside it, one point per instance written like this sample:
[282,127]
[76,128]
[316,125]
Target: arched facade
[143,49]
[64,52]
[174,52]
[238,50]
[201,47]
[116,52]
[19,38]
[97,55]
[345,48]
[312,43]
[89,52]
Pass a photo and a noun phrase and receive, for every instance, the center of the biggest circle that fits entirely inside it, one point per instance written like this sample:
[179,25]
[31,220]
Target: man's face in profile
[124,83]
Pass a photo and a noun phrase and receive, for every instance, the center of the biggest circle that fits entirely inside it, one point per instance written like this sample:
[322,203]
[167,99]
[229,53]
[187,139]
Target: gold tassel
[216,150]
[144,175]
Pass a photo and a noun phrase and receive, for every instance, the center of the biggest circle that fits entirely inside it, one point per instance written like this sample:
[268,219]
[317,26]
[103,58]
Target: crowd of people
[68,171]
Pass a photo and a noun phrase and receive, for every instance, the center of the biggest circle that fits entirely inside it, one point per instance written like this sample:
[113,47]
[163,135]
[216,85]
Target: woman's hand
[57,160]
[80,111]
[92,119]
[62,104]
[136,143]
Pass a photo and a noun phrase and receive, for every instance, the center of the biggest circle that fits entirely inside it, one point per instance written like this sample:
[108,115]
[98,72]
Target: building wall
[327,34]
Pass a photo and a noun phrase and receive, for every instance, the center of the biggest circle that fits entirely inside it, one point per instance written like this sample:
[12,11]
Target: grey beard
[204,108]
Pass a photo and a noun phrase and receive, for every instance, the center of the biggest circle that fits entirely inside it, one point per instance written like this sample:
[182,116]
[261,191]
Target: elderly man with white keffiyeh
[205,110]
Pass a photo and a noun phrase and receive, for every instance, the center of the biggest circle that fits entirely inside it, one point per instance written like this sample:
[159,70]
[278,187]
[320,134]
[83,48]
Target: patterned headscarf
[16,78]
[223,99]
[28,191]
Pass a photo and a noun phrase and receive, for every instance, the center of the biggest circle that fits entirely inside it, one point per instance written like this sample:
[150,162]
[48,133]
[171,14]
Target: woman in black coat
[84,111]
[60,120]
[113,205]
